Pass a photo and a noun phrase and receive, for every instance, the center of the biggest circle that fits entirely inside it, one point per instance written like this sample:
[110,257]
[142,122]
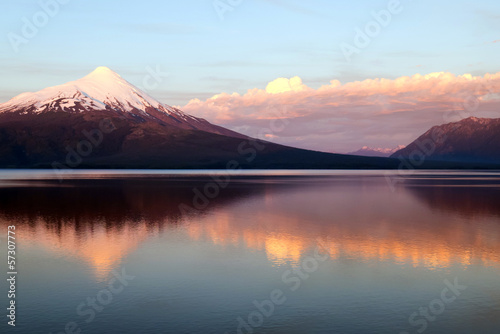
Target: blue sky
[257,42]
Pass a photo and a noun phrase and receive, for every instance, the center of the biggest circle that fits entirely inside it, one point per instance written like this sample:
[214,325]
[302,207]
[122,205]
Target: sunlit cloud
[283,85]
[343,117]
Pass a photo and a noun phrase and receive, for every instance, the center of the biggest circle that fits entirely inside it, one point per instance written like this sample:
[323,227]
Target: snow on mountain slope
[376,152]
[104,89]
[100,88]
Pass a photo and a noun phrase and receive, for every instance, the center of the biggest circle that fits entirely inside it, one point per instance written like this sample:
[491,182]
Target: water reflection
[424,223]
[472,199]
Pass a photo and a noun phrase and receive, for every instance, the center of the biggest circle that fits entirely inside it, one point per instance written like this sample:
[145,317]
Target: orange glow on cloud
[344,117]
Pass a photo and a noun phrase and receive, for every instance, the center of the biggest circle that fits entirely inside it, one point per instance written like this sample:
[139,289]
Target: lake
[255,252]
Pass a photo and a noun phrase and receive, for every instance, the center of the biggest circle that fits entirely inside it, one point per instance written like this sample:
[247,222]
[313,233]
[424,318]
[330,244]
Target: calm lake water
[270,252]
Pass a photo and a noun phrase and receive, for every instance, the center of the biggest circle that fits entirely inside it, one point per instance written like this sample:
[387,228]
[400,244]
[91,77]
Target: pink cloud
[345,117]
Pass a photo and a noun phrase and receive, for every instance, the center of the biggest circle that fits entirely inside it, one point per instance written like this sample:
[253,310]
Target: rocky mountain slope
[469,140]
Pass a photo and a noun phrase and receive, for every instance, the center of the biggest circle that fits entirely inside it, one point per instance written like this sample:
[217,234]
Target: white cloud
[345,117]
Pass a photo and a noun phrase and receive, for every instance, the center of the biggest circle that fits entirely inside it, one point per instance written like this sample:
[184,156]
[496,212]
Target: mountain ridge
[469,140]
[376,152]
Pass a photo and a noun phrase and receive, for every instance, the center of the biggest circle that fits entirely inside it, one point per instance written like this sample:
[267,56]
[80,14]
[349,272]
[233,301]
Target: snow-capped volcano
[104,89]
[98,90]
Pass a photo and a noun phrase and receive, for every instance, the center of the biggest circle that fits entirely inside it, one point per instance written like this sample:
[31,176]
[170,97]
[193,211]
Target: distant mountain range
[103,121]
[473,140]
[376,152]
